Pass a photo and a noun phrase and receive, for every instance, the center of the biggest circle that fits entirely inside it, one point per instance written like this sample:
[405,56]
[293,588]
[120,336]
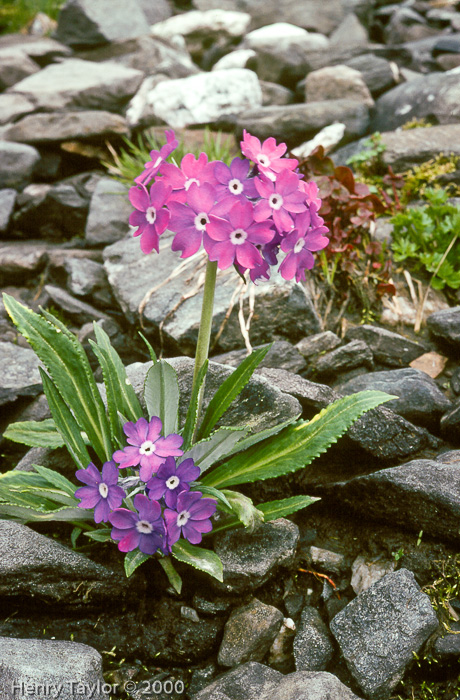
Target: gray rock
[108,213]
[34,667]
[377,72]
[201,99]
[450,423]
[420,400]
[245,682]
[249,633]
[379,631]
[57,126]
[447,648]
[250,559]
[36,566]
[155,11]
[387,347]
[43,50]
[281,355]
[13,106]
[332,562]
[78,310]
[365,572]
[235,59]
[14,66]
[350,32]
[430,491]
[433,95]
[297,123]
[19,374]
[17,163]
[7,202]
[312,643]
[318,343]
[87,22]
[285,35]
[85,276]
[273,94]
[337,82]
[356,353]
[311,395]
[19,261]
[407,25]
[80,84]
[445,325]
[283,309]
[310,685]
[406,149]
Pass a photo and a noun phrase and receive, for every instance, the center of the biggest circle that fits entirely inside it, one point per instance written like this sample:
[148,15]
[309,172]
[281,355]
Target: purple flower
[234,239]
[191,171]
[146,447]
[233,181]
[279,199]
[299,245]
[150,217]
[144,529]
[101,492]
[191,517]
[158,157]
[170,480]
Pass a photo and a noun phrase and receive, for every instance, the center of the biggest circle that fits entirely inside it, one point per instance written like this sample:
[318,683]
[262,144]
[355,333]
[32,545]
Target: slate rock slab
[33,668]
[388,347]
[249,559]
[86,22]
[58,126]
[445,325]
[245,682]
[35,566]
[108,213]
[13,106]
[17,163]
[19,375]
[379,631]
[282,354]
[429,490]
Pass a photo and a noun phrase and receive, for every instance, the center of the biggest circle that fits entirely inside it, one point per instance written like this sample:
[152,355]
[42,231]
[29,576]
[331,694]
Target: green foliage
[369,160]
[199,558]
[416,124]
[416,180]
[15,14]
[35,433]
[422,235]
[161,393]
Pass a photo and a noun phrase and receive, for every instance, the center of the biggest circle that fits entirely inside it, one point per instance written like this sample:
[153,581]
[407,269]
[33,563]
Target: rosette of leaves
[91,430]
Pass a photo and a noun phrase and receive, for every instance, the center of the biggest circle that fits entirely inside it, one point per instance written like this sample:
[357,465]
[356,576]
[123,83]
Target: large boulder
[17,164]
[87,22]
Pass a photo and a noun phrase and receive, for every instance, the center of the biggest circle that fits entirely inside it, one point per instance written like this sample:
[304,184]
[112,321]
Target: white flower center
[201,220]
[299,245]
[190,182]
[238,236]
[144,527]
[151,215]
[235,186]
[147,448]
[182,518]
[275,201]
[264,161]
[173,482]
[103,490]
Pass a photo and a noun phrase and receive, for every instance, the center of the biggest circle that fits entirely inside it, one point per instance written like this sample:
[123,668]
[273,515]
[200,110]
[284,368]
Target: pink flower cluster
[243,215]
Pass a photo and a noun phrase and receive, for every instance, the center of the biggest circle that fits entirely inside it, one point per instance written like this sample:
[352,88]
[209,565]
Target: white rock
[234,24]
[283,35]
[328,137]
[202,98]
[365,573]
[234,59]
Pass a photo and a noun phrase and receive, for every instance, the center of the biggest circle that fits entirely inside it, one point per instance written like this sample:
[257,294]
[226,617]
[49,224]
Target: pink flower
[234,239]
[190,221]
[279,199]
[158,157]
[299,245]
[191,171]
[150,217]
[267,156]
[233,181]
[146,448]
[311,192]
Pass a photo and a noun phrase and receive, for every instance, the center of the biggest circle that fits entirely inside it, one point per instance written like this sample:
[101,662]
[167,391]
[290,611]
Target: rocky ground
[358,596]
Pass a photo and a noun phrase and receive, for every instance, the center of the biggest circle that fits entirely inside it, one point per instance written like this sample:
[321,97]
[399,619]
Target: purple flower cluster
[164,507]
[243,216]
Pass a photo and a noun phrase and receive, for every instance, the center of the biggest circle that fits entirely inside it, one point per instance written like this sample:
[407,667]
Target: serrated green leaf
[192,411]
[244,509]
[212,493]
[279,509]
[69,368]
[199,558]
[56,479]
[173,577]
[208,451]
[297,445]
[24,514]
[254,438]
[133,560]
[102,534]
[33,433]
[65,423]
[161,394]
[229,390]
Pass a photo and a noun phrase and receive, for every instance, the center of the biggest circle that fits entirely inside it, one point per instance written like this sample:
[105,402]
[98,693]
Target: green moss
[416,124]
[15,14]
[426,175]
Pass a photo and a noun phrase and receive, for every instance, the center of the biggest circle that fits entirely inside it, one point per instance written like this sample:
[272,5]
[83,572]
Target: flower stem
[204,333]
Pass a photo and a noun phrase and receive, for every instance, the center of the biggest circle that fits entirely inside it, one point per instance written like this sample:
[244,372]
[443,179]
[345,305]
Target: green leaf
[133,560]
[69,368]
[173,577]
[56,479]
[152,353]
[254,438]
[65,423]
[279,509]
[212,493]
[35,433]
[161,394]
[206,452]
[229,390]
[245,510]
[199,558]
[74,535]
[25,514]
[192,411]
[297,445]
[102,534]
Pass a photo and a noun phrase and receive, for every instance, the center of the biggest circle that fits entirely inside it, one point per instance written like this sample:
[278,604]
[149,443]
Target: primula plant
[155,484]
